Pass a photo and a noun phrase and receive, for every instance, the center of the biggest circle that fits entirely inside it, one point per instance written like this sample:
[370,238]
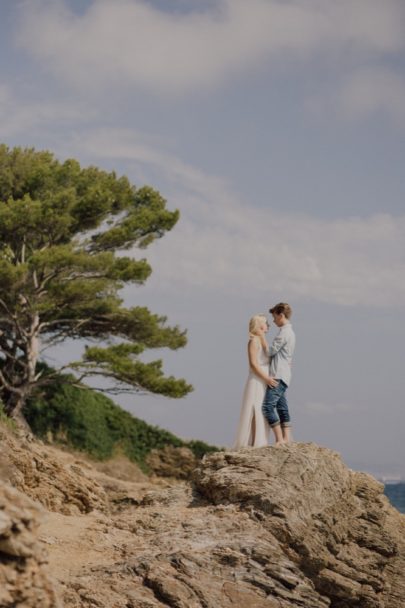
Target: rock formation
[258,528]
[333,524]
[24,577]
[59,483]
[170,461]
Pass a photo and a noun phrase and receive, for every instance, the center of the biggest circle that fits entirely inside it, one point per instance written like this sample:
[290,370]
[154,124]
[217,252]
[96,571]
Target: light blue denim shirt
[281,352]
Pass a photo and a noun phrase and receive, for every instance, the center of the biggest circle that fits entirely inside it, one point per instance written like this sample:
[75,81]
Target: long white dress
[253,428]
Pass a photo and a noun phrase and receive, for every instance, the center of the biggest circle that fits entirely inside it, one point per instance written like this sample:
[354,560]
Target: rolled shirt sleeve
[281,353]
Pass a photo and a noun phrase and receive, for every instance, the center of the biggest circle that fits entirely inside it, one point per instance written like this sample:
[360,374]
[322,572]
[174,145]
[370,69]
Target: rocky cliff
[333,529]
[261,528]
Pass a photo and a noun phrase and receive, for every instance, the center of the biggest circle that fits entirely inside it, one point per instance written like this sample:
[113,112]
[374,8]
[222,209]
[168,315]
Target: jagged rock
[170,461]
[198,554]
[54,478]
[273,527]
[334,524]
[24,580]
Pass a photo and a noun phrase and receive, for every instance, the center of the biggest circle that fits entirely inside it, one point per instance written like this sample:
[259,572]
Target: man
[275,406]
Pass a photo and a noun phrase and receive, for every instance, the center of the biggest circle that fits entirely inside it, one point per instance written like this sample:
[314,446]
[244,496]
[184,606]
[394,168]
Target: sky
[277,128]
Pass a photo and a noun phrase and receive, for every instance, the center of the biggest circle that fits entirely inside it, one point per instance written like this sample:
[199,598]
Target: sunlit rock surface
[261,528]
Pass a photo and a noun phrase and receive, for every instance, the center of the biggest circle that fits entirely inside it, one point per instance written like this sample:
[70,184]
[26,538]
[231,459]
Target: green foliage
[4,419]
[91,422]
[147,376]
[63,231]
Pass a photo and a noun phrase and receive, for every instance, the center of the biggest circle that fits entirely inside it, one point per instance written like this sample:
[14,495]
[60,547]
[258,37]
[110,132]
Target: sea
[396,494]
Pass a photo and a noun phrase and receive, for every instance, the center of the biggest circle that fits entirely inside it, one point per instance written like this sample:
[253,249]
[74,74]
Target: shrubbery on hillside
[91,422]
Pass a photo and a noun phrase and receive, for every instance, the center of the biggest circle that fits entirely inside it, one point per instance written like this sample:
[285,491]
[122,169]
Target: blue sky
[277,128]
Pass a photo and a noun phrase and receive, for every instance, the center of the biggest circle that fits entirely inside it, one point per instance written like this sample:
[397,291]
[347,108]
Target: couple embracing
[264,404]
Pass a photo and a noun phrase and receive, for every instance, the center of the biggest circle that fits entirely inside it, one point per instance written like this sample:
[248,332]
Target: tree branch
[8,386]
[9,355]
[8,311]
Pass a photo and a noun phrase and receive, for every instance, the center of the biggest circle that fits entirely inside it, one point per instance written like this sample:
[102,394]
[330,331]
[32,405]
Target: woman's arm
[252,355]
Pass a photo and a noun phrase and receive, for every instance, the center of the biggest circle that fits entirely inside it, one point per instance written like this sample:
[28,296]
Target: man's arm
[277,343]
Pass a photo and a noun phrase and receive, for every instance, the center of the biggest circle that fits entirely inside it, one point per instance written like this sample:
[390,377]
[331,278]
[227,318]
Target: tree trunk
[14,404]
[14,408]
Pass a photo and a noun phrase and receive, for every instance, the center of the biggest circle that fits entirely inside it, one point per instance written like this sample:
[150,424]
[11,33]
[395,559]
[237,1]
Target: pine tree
[63,234]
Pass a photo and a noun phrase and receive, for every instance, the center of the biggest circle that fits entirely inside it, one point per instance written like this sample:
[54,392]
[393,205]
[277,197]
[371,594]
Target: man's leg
[278,434]
[284,415]
[286,431]
[271,398]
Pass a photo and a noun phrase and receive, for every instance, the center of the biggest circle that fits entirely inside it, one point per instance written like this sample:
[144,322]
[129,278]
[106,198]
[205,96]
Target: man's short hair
[281,308]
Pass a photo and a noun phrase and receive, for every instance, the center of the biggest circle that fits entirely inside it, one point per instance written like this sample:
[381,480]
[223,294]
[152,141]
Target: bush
[4,419]
[90,422]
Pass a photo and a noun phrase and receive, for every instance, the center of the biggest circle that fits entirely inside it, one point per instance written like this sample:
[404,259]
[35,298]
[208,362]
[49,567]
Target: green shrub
[91,422]
[4,419]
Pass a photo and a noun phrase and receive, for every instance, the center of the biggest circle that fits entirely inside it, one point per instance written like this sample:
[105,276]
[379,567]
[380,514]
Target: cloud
[222,243]
[374,89]
[20,115]
[131,42]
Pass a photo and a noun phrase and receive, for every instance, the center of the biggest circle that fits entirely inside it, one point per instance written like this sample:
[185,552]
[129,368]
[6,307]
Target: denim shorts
[275,406]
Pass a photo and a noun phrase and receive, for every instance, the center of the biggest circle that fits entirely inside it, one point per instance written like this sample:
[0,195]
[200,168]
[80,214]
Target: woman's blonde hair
[254,323]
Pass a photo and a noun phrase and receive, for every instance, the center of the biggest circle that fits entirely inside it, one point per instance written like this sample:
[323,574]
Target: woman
[253,429]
